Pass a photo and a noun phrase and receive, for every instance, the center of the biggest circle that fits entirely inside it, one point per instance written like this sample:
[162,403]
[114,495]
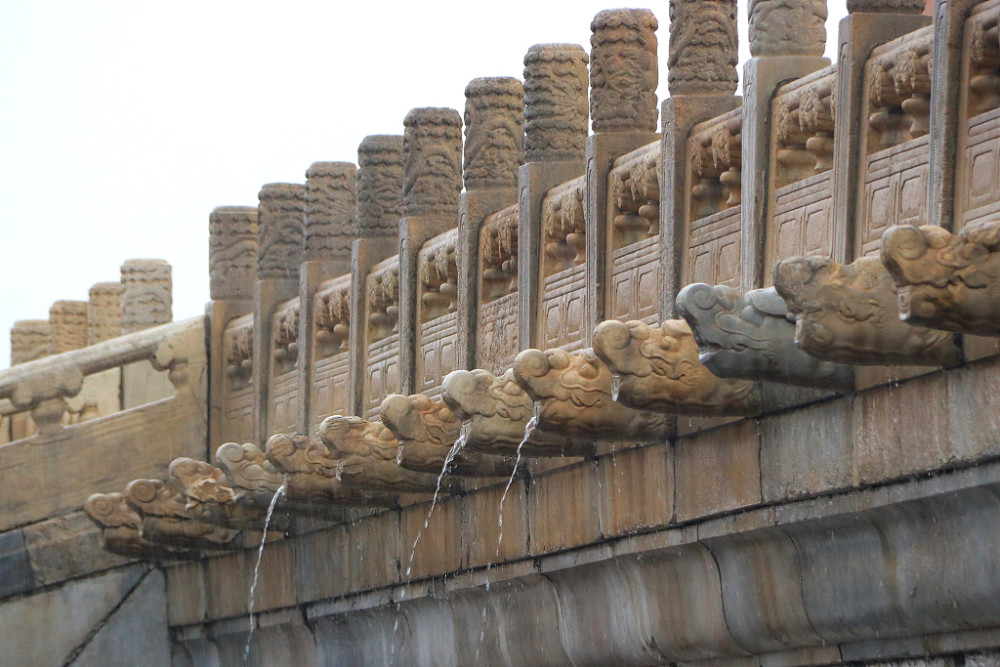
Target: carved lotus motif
[575,390]
[752,337]
[947,281]
[849,313]
[498,410]
[366,453]
[660,371]
[427,430]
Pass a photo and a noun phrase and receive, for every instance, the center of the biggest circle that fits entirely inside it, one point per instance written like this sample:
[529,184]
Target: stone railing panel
[563,290]
[497,318]
[895,154]
[237,408]
[331,358]
[283,398]
[437,319]
[381,376]
[633,233]
[712,248]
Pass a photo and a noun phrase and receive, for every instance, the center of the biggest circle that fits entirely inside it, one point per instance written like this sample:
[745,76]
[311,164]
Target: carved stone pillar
[29,340]
[330,230]
[146,299]
[232,252]
[787,41]
[555,125]
[232,263]
[702,79]
[380,185]
[432,181]
[280,250]
[69,326]
[380,207]
[104,312]
[494,151]
[555,103]
[623,78]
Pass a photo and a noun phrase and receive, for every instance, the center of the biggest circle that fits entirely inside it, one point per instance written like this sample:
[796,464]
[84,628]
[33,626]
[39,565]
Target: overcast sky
[123,123]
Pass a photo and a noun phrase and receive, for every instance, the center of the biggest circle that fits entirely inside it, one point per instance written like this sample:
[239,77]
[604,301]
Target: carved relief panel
[237,348]
[283,400]
[978,179]
[712,252]
[633,234]
[801,159]
[498,299]
[382,335]
[895,153]
[562,307]
[437,320]
[331,361]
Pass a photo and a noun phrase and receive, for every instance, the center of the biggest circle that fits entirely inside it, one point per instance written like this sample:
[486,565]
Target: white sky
[123,123]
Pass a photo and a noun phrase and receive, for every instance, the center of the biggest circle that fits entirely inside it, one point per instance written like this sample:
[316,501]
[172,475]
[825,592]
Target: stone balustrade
[498,407]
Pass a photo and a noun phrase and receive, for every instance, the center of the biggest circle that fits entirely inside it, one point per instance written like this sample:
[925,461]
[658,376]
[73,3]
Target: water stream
[256,569]
[616,385]
[528,429]
[463,437]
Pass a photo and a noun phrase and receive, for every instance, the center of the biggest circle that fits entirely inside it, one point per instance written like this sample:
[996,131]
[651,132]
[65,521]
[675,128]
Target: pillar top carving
[29,340]
[623,71]
[147,300]
[555,103]
[330,221]
[280,230]
[885,6]
[380,185]
[703,47]
[232,251]
[779,28]
[432,162]
[494,132]
[104,312]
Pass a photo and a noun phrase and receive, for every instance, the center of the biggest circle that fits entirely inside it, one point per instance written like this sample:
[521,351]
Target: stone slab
[564,507]
[66,547]
[136,633]
[227,584]
[186,593]
[321,564]
[481,530]
[637,487]
[439,549]
[374,551]
[806,451]
[717,470]
[16,575]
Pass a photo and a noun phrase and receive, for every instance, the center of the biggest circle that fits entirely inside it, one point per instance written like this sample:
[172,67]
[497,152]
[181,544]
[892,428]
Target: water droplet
[616,385]
[256,569]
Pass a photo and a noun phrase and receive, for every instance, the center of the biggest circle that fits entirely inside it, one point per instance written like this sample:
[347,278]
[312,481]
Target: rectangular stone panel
[802,222]
[564,508]
[895,188]
[713,250]
[382,376]
[979,169]
[564,308]
[66,547]
[637,487]
[489,542]
[634,283]
[331,387]
[374,551]
[439,549]
[497,333]
[321,564]
[436,344]
[718,470]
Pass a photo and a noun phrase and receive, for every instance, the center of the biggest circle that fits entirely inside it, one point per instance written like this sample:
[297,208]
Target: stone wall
[800,468]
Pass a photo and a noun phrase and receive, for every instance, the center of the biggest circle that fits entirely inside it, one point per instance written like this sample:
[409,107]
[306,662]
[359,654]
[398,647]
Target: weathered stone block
[136,633]
[186,594]
[275,576]
[637,487]
[974,399]
[718,470]
[66,547]
[564,508]
[15,565]
[436,548]
[79,606]
[898,431]
[481,528]
[374,551]
[806,451]
[227,584]
[321,564]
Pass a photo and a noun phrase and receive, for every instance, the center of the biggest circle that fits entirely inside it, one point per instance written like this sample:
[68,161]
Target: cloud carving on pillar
[947,281]
[752,337]
[427,429]
[575,390]
[660,371]
[849,313]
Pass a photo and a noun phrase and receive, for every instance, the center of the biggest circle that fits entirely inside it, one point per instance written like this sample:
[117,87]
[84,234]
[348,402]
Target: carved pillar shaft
[703,42]
[69,326]
[146,297]
[432,162]
[555,103]
[232,251]
[280,230]
[29,340]
[330,225]
[380,185]
[494,132]
[623,71]
[104,312]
